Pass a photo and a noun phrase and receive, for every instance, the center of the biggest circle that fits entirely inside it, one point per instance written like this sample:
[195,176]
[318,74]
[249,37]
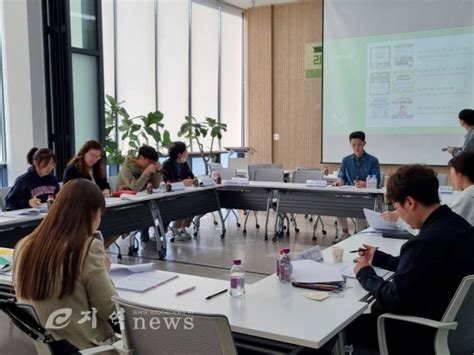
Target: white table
[270,309]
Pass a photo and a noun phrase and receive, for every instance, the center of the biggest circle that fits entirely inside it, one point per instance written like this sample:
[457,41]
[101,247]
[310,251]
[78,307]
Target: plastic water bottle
[286,269]
[162,186]
[368,181]
[237,280]
[278,261]
[374,182]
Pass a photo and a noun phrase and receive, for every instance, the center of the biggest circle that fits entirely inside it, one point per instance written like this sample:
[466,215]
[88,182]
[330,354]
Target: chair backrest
[214,166]
[12,339]
[253,167]
[3,194]
[226,173]
[21,327]
[300,176]
[443,179]
[113,182]
[460,310]
[238,163]
[150,330]
[275,175]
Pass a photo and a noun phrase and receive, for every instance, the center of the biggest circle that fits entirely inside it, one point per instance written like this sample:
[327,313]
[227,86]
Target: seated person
[461,169]
[136,173]
[175,169]
[89,164]
[354,170]
[426,274]
[61,265]
[35,186]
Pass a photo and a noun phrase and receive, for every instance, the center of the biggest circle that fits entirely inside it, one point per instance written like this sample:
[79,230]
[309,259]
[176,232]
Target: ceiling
[246,4]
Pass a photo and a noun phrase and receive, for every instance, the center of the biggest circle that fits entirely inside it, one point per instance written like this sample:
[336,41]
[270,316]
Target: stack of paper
[142,281]
[377,222]
[309,271]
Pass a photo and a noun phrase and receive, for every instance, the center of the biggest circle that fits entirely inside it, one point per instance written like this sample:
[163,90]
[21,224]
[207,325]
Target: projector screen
[400,70]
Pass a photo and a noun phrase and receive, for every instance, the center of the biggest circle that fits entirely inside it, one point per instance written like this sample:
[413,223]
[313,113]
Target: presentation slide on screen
[403,88]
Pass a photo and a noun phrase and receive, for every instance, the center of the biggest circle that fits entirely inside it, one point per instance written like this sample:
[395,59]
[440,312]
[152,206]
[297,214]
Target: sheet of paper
[309,271]
[313,253]
[348,271]
[142,281]
[377,222]
[132,268]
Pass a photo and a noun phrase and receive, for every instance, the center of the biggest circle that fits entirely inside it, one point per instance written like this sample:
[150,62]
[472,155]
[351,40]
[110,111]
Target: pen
[216,294]
[360,249]
[186,290]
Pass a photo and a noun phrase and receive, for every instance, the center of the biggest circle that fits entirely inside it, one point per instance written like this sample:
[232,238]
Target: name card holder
[206,181]
[237,181]
[316,183]
[445,190]
[177,186]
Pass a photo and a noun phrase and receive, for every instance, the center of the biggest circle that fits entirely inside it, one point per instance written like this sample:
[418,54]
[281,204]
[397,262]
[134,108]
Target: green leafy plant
[196,131]
[134,131]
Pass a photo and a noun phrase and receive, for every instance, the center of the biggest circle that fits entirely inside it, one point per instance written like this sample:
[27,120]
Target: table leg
[159,230]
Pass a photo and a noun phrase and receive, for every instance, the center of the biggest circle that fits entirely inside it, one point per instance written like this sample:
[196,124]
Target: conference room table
[127,214]
[157,210]
[272,314]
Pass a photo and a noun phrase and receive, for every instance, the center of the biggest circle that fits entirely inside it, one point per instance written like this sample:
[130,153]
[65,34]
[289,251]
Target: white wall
[24,89]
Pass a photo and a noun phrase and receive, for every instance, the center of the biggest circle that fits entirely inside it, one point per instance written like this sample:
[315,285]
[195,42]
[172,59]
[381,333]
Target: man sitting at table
[427,272]
[137,172]
[354,170]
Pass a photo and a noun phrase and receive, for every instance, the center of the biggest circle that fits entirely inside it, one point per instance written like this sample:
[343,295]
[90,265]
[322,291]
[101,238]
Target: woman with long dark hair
[89,164]
[61,267]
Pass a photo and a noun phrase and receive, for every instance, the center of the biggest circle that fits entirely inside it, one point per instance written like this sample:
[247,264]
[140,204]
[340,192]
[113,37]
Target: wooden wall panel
[259,83]
[278,97]
[296,100]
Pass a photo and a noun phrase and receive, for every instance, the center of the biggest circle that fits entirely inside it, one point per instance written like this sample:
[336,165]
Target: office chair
[300,176]
[454,332]
[210,333]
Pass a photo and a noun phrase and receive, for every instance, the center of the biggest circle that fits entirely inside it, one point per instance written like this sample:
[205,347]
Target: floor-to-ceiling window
[181,57]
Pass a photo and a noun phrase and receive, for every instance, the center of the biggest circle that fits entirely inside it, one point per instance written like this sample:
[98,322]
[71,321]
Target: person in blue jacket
[35,186]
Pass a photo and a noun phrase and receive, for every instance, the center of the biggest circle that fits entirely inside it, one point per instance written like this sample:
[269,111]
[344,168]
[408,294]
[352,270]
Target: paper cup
[337,254]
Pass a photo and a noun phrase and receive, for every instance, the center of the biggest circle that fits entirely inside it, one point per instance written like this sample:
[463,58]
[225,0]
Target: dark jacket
[174,171]
[30,185]
[429,269]
[72,172]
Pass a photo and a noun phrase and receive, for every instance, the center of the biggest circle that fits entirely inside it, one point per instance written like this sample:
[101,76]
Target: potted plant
[196,131]
[132,131]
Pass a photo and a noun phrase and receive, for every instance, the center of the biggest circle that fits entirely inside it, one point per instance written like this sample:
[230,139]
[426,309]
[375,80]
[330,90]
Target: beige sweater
[93,289]
[133,177]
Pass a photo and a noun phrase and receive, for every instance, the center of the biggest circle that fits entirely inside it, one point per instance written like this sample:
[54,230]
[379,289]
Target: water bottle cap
[286,250]
[237,262]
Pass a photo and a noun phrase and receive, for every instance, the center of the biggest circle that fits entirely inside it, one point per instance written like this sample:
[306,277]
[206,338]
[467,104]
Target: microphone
[444,149]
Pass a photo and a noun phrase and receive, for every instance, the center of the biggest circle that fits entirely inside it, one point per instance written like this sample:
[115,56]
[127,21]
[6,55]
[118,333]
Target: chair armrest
[97,349]
[418,320]
[120,348]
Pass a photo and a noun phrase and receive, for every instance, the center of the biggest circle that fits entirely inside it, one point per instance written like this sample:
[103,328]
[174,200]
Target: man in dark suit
[427,272]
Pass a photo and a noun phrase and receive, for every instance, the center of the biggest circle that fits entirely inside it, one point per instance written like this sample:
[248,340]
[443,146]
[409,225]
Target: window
[181,57]
[3,145]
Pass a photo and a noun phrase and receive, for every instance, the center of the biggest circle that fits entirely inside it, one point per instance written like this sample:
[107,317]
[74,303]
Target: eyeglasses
[95,156]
